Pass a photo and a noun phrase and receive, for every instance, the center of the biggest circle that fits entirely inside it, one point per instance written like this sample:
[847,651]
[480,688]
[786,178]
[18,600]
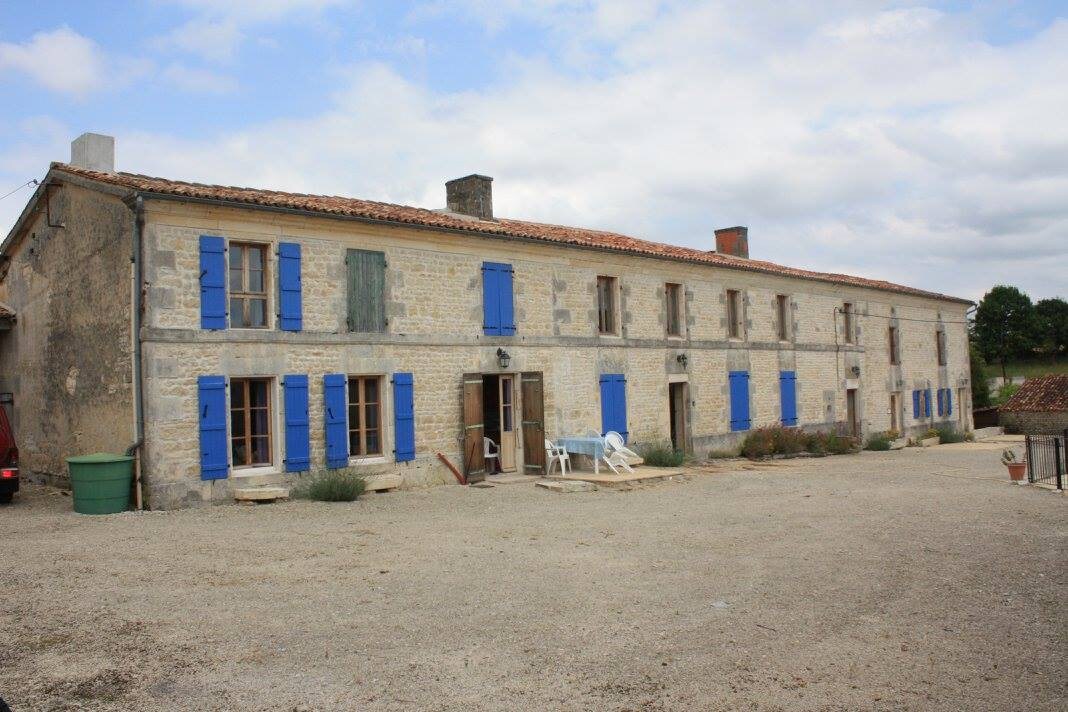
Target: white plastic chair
[554,453]
[615,459]
[614,442]
[490,451]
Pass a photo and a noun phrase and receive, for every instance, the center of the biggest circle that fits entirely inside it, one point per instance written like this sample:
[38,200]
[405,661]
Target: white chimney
[93,151]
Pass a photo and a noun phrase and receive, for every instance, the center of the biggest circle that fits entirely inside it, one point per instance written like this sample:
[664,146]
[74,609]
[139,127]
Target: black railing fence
[1047,459]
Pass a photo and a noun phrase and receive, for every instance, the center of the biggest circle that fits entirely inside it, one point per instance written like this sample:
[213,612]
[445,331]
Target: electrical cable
[31,181]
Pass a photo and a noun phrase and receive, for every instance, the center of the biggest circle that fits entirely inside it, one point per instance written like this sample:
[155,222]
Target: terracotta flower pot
[1017,470]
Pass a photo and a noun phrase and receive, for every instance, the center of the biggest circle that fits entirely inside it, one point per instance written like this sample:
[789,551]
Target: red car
[9,460]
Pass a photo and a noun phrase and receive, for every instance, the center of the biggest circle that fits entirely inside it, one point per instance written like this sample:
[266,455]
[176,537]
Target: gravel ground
[912,580]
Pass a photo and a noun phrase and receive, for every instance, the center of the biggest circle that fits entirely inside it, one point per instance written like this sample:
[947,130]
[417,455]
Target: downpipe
[137,206]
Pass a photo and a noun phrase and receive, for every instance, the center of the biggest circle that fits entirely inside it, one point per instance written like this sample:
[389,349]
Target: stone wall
[434,306]
[67,360]
[1034,423]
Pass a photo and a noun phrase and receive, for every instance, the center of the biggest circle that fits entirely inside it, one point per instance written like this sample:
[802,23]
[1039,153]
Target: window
[250,422]
[940,346]
[498,313]
[606,305]
[782,313]
[891,336]
[365,416]
[734,314]
[248,286]
[673,298]
[366,290]
[848,326]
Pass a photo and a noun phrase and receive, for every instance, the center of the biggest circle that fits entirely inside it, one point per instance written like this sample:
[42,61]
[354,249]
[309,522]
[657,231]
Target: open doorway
[895,405]
[852,427]
[678,395]
[498,417]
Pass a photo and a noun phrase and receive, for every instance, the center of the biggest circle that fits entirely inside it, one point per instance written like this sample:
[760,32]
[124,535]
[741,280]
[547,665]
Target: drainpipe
[137,205]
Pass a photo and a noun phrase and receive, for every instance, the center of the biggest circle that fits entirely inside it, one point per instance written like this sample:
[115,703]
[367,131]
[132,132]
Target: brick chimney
[471,195]
[93,151]
[733,241]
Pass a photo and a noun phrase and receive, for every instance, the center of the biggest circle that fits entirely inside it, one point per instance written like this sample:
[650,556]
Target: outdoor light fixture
[682,359]
[856,370]
[503,358]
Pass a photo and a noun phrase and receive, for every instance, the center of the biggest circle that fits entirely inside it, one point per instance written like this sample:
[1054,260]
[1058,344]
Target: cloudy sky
[924,144]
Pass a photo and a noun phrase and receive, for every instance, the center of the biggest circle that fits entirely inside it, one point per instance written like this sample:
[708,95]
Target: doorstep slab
[260,494]
[565,486]
[992,432]
[377,483]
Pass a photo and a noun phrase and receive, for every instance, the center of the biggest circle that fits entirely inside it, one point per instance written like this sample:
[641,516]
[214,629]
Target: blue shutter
[403,417]
[335,406]
[491,309]
[505,299]
[739,390]
[295,392]
[941,395]
[290,313]
[211,400]
[788,396]
[927,404]
[916,405]
[614,404]
[212,282]
[949,401]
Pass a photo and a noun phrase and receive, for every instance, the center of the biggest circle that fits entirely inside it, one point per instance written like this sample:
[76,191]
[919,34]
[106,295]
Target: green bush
[661,454]
[331,486]
[1005,392]
[878,442]
[829,444]
[759,443]
[949,434]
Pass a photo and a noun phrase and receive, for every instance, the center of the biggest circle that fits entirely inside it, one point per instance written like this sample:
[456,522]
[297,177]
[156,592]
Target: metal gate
[1047,459]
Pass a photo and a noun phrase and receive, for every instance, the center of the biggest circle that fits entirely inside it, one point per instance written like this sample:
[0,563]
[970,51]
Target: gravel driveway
[912,580]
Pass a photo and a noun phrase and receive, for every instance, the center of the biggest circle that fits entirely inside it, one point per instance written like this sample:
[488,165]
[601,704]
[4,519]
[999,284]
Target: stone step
[251,495]
[379,483]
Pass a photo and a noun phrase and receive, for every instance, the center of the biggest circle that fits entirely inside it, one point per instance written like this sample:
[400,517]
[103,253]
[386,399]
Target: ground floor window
[365,416]
[250,422]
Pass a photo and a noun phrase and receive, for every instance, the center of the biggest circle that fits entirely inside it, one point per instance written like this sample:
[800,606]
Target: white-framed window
[248,268]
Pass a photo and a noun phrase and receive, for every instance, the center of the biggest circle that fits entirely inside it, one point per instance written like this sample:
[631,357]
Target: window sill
[255,471]
[610,336]
[361,461]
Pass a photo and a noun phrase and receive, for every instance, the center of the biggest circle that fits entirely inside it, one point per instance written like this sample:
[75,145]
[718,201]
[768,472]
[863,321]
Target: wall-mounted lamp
[855,370]
[503,358]
[682,359]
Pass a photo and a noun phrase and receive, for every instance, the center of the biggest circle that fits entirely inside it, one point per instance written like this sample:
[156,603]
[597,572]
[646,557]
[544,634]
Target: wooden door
[533,422]
[851,411]
[506,404]
[894,407]
[959,405]
[471,404]
[677,397]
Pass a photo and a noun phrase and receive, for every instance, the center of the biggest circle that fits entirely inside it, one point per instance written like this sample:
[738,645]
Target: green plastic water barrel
[101,482]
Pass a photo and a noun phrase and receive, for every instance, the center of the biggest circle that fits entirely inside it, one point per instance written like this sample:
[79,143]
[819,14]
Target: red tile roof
[1045,394]
[402,214]
[5,312]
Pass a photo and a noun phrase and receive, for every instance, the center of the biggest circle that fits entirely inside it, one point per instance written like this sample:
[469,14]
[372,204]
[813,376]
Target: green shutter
[367,290]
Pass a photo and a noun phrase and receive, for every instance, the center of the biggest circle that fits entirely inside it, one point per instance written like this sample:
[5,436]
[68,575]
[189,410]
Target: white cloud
[61,60]
[212,40]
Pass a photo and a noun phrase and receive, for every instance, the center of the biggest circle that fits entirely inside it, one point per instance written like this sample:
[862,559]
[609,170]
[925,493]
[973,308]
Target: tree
[980,386]
[1005,325]
[1052,318]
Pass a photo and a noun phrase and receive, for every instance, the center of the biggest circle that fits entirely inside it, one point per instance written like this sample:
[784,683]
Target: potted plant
[1017,470]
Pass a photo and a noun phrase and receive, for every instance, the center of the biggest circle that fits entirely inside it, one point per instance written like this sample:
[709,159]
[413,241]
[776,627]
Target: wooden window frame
[734,314]
[893,338]
[244,383]
[243,294]
[674,312]
[361,404]
[608,313]
[940,346]
[849,322]
[782,311]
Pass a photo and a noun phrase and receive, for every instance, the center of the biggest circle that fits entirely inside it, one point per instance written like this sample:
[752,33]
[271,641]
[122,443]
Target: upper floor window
[849,325]
[248,286]
[366,290]
[782,316]
[940,346]
[498,311]
[892,339]
[673,302]
[250,422]
[734,314]
[365,416]
[607,308]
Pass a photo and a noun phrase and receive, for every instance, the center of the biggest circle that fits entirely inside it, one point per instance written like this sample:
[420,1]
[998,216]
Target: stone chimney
[733,241]
[93,151]
[471,195]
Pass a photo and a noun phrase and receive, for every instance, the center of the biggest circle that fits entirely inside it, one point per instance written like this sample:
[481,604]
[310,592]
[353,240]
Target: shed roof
[1045,394]
[406,215]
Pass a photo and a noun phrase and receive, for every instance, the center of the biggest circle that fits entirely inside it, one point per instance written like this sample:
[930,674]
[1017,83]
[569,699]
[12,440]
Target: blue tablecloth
[594,447]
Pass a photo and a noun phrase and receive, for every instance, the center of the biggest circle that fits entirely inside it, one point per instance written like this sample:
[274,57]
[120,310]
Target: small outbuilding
[1040,407]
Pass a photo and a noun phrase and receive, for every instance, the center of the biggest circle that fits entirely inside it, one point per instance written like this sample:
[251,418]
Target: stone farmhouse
[237,337]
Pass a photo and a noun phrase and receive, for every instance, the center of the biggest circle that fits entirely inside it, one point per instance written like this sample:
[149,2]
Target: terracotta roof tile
[1045,394]
[371,210]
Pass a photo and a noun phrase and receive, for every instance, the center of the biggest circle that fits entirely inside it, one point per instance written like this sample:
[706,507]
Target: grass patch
[661,454]
[878,442]
[721,454]
[331,486]
[1029,369]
